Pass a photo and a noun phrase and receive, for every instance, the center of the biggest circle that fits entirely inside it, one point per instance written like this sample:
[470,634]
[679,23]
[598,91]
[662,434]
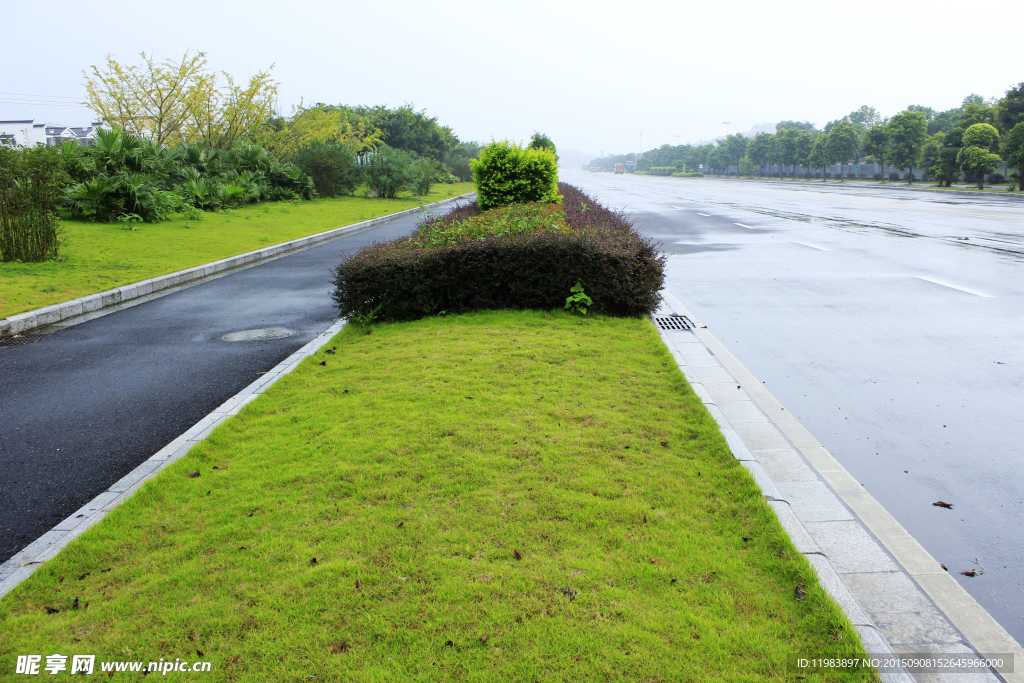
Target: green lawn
[101,256]
[546,481]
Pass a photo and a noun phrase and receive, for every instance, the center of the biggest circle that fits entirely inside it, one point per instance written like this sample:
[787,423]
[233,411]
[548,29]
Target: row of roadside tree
[964,143]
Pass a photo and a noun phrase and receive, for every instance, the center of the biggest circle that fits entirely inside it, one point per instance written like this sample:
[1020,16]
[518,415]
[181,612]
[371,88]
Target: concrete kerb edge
[981,631]
[57,313]
[29,559]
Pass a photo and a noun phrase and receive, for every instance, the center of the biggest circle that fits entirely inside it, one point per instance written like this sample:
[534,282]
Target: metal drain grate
[22,339]
[262,334]
[674,322]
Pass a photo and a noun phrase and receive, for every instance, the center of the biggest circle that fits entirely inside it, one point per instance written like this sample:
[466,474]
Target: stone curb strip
[897,596]
[22,565]
[51,315]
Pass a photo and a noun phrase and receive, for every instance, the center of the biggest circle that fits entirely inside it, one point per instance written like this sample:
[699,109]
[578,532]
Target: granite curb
[897,596]
[57,313]
[23,564]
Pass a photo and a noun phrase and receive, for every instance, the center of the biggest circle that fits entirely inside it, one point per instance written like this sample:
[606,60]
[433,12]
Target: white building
[27,132]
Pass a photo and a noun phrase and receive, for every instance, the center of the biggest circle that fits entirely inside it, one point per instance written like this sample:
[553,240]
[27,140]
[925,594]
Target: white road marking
[962,289]
[703,214]
[812,246]
[748,227]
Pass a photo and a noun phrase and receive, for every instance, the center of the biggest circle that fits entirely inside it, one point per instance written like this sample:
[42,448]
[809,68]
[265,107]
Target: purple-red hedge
[400,280]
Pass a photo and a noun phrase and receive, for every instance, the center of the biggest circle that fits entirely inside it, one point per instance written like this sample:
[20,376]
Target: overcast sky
[592,75]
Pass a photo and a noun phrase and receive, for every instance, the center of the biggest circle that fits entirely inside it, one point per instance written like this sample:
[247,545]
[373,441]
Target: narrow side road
[87,404]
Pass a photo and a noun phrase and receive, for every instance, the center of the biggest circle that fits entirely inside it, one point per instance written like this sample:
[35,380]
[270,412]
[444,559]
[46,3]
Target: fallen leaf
[799,593]
[515,554]
[664,362]
[74,605]
[359,584]
[200,653]
[194,475]
[83,576]
[400,525]
[645,519]
[313,561]
[970,572]
[345,392]
[330,352]
[944,568]
[661,405]
[942,504]
[746,539]
[484,639]
[369,331]
[449,643]
[673,581]
[664,443]
[51,610]
[654,560]
[323,362]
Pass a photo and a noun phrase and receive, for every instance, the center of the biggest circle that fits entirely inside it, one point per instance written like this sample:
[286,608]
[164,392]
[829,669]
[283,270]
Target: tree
[1011,108]
[976,112]
[821,154]
[389,171]
[941,163]
[759,150]
[804,144]
[180,102]
[865,116]
[1014,152]
[977,161]
[785,141]
[876,145]
[928,112]
[944,121]
[976,157]
[795,125]
[844,141]
[405,128]
[734,148]
[332,167]
[320,124]
[541,141]
[907,132]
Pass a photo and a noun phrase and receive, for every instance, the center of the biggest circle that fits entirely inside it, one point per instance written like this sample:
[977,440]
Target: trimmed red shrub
[403,280]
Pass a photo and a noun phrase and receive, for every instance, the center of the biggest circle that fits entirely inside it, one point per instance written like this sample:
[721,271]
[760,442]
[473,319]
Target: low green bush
[517,219]
[687,174]
[507,174]
[662,170]
[470,260]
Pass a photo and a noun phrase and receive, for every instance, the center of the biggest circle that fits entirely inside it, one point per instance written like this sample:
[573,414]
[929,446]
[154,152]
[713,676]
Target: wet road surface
[89,403]
[891,322]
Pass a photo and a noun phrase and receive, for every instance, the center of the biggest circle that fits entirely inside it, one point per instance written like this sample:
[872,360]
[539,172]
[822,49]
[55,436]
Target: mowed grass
[100,256]
[544,481]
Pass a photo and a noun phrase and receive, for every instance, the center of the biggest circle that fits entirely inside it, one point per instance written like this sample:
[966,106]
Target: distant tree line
[966,142]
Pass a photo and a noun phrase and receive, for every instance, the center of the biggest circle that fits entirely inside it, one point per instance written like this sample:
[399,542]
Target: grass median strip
[100,256]
[495,496]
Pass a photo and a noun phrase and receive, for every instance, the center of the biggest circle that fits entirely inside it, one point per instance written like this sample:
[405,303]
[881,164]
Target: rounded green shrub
[507,174]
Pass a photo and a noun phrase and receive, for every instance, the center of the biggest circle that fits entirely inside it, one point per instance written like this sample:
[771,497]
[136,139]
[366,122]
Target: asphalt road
[891,322]
[89,403]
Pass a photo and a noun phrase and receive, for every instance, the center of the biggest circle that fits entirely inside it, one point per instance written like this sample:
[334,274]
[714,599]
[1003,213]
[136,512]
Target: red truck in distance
[620,168]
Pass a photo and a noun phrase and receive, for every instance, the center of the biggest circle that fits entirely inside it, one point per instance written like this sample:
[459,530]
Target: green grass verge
[548,481]
[101,256]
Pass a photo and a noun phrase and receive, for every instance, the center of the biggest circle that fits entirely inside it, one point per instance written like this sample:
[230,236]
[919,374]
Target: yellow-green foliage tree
[319,125]
[175,102]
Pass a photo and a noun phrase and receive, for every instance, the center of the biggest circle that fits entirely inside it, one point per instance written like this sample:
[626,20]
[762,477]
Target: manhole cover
[674,322]
[22,339]
[262,334]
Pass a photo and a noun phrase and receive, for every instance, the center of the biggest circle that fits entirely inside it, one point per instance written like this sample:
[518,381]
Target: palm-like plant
[95,199]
